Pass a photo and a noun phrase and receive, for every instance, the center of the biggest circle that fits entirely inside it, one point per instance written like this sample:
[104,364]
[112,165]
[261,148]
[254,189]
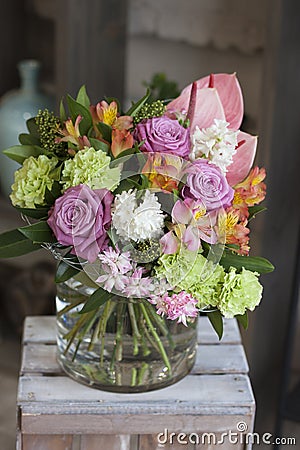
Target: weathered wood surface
[54,409]
[211,359]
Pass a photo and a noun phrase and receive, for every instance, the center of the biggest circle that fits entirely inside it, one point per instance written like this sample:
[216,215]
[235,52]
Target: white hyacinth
[216,143]
[137,220]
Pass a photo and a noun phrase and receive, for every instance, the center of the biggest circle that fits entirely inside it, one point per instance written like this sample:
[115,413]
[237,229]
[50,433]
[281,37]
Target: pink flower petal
[243,159]
[181,213]
[207,108]
[169,243]
[230,94]
[191,239]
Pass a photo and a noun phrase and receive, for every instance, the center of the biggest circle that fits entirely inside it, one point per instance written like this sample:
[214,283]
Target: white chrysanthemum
[137,220]
[216,143]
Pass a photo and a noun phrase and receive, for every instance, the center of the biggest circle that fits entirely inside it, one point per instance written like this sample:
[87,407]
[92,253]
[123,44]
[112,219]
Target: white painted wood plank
[220,359]
[192,393]
[106,441]
[207,335]
[42,329]
[210,359]
[46,442]
[34,422]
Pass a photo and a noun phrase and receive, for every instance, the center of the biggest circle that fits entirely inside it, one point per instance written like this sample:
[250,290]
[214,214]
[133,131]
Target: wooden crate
[56,413]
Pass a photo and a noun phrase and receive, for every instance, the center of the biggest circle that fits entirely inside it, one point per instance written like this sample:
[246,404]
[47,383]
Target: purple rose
[207,183]
[81,217]
[163,135]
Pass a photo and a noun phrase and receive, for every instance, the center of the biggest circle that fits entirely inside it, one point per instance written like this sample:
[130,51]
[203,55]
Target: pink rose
[80,218]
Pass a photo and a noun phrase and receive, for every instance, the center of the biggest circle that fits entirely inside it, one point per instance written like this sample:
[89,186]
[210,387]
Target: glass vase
[122,346]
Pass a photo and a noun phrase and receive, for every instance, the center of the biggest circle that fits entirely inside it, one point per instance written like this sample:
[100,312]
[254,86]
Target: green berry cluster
[146,251]
[149,110]
[48,125]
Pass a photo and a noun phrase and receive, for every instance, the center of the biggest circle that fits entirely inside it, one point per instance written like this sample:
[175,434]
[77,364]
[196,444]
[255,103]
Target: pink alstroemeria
[218,96]
[193,213]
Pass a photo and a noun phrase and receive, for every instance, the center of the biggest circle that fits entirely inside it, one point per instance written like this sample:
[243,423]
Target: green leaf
[137,106]
[32,127]
[21,152]
[112,234]
[253,263]
[38,232]
[36,213]
[105,131]
[62,111]
[29,139]
[13,243]
[51,196]
[254,210]
[76,109]
[64,272]
[243,320]
[83,98]
[99,145]
[97,299]
[216,319]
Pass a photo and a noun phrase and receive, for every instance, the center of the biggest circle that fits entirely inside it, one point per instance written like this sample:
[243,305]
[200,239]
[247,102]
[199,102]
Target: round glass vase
[123,345]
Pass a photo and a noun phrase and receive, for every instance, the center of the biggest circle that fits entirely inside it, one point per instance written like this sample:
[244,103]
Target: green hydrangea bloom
[31,181]
[240,291]
[91,167]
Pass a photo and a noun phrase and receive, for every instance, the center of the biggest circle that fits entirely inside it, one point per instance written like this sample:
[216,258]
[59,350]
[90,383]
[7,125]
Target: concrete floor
[9,366]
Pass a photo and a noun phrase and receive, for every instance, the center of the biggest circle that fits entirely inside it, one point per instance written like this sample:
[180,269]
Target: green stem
[133,376]
[108,309]
[141,373]
[119,333]
[136,336]
[69,307]
[156,338]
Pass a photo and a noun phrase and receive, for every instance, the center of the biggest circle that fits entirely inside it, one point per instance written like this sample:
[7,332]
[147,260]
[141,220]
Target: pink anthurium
[243,159]
[218,96]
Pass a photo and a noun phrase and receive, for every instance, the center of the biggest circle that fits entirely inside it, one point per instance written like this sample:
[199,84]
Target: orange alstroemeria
[163,171]
[249,192]
[71,133]
[108,113]
[234,230]
[121,140]
[252,189]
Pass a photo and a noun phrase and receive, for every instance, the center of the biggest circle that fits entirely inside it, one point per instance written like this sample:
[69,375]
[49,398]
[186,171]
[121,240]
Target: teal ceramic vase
[16,107]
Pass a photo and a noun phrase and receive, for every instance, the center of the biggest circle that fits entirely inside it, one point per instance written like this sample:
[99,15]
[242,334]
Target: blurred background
[115,47]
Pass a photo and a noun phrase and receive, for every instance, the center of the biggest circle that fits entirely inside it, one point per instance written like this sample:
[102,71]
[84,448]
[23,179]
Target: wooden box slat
[41,358]
[41,329]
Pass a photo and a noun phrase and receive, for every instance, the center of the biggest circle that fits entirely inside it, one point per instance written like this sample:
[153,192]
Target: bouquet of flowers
[152,204]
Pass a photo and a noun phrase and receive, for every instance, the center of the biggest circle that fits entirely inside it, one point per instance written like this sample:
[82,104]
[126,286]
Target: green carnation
[175,267]
[31,181]
[193,274]
[90,167]
[204,281]
[240,291]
